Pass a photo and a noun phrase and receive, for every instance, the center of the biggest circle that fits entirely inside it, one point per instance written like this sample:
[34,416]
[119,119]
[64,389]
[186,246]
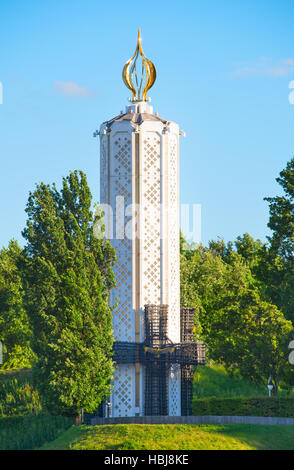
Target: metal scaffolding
[174,353]
[156,388]
[157,353]
[187,370]
[187,373]
[155,321]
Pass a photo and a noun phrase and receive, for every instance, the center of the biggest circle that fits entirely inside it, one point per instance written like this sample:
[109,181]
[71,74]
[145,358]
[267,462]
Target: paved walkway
[195,420]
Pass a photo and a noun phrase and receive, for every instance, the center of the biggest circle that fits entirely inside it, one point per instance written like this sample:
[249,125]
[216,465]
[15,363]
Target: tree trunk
[78,420]
[276,387]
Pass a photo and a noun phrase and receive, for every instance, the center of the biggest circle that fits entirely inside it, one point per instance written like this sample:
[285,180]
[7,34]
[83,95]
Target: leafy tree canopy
[69,276]
[241,330]
[15,332]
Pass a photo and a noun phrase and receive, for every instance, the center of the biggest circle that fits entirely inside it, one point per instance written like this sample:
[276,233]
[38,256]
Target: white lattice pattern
[121,197]
[174,393]
[173,240]
[122,161]
[124,385]
[153,276]
[150,213]
[103,170]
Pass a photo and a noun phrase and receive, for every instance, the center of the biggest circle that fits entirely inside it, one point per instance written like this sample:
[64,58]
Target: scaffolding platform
[157,353]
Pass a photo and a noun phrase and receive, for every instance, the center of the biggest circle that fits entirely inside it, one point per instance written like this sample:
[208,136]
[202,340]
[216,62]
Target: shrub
[259,406]
[23,425]
[18,397]
[29,432]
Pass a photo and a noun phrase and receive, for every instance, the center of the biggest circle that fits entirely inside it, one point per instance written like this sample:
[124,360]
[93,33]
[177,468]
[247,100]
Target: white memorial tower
[139,181]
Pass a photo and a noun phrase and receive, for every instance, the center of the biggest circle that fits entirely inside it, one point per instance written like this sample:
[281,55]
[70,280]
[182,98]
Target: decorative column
[139,181]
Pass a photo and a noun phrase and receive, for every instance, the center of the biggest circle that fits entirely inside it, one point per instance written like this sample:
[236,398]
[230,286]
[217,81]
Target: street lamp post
[109,409]
[270,386]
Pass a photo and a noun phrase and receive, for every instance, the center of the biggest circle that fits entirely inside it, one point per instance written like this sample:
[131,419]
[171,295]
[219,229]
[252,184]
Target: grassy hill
[214,381]
[20,428]
[175,437]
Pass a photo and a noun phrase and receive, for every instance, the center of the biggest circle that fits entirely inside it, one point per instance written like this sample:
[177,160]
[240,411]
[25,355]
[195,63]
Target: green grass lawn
[210,381]
[214,381]
[175,437]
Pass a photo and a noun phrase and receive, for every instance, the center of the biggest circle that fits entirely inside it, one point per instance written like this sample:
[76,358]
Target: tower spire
[139,79]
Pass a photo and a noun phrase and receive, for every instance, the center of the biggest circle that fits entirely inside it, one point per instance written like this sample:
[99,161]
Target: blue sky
[223,73]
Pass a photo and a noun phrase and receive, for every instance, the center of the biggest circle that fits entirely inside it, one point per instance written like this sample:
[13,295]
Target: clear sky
[223,73]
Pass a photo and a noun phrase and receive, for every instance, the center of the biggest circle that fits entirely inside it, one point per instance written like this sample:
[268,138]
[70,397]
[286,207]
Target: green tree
[251,250]
[68,283]
[15,331]
[241,331]
[281,222]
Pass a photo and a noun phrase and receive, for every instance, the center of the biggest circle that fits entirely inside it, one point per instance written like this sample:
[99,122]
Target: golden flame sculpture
[139,85]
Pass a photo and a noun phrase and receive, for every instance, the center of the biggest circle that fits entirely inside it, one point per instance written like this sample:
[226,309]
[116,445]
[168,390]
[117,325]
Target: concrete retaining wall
[195,420]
